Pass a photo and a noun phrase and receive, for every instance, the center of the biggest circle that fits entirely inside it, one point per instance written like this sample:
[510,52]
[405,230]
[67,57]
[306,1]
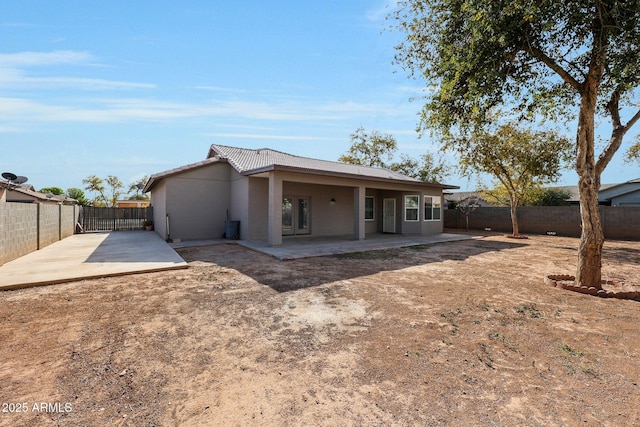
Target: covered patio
[312,246]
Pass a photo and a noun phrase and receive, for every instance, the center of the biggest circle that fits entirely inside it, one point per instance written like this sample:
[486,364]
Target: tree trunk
[589,270]
[514,219]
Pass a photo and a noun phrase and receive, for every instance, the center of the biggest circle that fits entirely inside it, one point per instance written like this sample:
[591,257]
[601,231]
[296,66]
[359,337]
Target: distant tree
[136,188]
[551,197]
[370,149]
[56,191]
[116,188]
[94,184]
[99,185]
[467,207]
[426,169]
[78,195]
[521,161]
[377,150]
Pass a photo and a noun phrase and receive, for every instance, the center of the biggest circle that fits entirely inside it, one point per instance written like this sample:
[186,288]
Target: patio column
[358,212]
[275,210]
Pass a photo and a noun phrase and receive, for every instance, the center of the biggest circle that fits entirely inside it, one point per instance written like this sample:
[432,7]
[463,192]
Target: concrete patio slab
[306,247]
[91,255]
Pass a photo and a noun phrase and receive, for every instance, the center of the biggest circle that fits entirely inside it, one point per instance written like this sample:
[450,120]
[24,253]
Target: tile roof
[251,161]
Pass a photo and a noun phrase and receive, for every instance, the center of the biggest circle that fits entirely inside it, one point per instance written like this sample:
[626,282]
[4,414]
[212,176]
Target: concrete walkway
[91,255]
[306,247]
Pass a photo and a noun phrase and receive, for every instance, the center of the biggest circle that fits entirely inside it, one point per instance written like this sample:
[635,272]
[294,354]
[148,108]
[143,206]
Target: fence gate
[104,219]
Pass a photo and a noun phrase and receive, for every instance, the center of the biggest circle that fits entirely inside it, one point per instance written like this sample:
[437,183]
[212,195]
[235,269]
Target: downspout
[168,230]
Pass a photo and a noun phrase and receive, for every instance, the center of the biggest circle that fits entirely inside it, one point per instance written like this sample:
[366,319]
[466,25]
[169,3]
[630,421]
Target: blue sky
[131,88]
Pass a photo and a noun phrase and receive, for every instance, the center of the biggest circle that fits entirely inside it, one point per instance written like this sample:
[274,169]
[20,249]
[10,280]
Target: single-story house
[274,194]
[624,194]
[24,193]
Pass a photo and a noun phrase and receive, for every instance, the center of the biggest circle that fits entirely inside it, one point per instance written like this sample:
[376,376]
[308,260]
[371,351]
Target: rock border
[611,288]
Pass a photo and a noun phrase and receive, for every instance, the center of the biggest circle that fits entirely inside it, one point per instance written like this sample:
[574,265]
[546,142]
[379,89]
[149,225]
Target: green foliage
[56,191]
[519,159]
[136,188]
[633,154]
[426,169]
[94,184]
[78,194]
[551,197]
[534,55]
[372,149]
[97,185]
[377,150]
[545,59]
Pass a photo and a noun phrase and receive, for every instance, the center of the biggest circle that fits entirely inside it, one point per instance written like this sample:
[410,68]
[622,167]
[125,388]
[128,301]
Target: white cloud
[13,74]
[269,137]
[22,59]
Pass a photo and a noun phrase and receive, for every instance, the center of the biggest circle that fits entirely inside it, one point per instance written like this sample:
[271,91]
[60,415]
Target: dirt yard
[461,333]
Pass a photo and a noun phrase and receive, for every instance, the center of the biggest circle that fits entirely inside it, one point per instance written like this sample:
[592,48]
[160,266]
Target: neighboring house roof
[463,195]
[255,161]
[575,193]
[28,194]
[607,192]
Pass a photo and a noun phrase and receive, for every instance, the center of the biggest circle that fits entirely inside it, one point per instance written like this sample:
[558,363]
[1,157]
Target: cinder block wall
[68,220]
[27,227]
[49,225]
[621,223]
[18,230]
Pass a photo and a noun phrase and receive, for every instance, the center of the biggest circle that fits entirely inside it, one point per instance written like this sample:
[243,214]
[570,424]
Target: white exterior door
[389,216]
[296,215]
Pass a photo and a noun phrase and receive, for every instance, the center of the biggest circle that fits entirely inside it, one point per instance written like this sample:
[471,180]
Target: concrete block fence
[619,223]
[27,227]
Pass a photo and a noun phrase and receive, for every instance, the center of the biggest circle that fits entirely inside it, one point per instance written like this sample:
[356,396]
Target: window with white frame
[411,208]
[369,208]
[432,208]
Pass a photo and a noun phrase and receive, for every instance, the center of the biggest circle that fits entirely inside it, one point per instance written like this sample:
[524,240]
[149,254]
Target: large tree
[573,59]
[521,160]
[378,150]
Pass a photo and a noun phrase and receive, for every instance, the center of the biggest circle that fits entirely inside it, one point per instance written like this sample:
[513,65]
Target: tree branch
[618,131]
[553,65]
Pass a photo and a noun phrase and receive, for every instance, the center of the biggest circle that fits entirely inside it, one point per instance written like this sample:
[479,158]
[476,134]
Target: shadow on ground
[285,276]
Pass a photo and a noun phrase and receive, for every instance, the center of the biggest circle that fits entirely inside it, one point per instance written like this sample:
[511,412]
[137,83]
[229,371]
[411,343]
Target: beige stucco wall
[239,200]
[323,213]
[195,201]
[159,203]
[258,215]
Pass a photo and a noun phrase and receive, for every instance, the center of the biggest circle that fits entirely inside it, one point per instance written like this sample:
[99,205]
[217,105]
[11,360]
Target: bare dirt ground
[461,333]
